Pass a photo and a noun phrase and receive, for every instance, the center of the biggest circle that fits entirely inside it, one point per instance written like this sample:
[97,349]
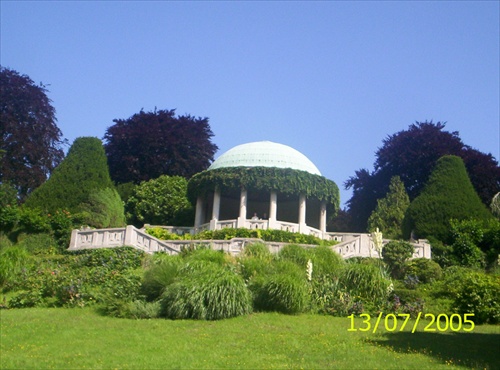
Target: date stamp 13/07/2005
[391,322]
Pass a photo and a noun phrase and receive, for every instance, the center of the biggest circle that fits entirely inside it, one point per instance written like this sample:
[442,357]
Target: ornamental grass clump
[257,250]
[326,261]
[160,275]
[209,255]
[284,290]
[12,260]
[369,283]
[295,253]
[206,291]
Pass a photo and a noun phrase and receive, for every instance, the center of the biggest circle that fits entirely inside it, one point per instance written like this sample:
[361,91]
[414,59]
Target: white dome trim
[265,154]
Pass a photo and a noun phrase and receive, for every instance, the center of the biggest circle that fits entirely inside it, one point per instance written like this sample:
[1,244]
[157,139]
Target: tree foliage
[150,144]
[9,210]
[466,235]
[103,209]
[82,172]
[30,141]
[448,195]
[390,211]
[412,154]
[161,201]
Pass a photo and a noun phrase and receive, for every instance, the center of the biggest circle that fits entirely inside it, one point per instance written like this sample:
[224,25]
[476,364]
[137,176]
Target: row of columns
[273,210]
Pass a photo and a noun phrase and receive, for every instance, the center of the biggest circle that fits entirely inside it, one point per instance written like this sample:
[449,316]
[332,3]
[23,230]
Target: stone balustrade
[350,245]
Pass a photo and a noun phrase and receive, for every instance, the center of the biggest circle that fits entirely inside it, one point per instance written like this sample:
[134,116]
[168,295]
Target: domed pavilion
[263,185]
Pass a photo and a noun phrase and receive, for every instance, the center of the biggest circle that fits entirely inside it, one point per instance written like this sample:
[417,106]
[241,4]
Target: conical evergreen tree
[84,171]
[390,211]
[447,195]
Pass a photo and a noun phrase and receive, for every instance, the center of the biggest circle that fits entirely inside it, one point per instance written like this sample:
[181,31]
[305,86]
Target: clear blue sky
[331,79]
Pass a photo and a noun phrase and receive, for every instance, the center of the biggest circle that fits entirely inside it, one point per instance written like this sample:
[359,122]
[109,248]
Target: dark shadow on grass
[474,350]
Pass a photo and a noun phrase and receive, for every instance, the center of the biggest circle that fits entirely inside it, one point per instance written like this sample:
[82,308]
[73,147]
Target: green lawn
[80,338]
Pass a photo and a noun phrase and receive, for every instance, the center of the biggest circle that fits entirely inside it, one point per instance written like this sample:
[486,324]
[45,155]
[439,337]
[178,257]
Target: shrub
[38,244]
[161,201]
[490,244]
[479,294]
[424,269]
[442,253]
[328,297]
[9,211]
[206,292]
[465,236]
[162,234]
[407,301]
[119,259]
[33,221]
[395,254]
[270,235]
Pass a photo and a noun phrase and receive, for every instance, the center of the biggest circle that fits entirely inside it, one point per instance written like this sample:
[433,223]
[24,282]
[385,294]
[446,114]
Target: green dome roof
[265,154]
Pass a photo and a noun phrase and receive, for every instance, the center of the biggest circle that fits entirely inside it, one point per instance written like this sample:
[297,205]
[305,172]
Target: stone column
[322,217]
[273,209]
[215,210]
[198,218]
[302,214]
[242,218]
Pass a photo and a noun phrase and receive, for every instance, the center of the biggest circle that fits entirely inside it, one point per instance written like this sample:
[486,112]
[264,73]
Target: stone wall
[350,245]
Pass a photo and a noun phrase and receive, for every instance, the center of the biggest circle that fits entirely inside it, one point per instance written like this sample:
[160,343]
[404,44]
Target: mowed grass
[57,338]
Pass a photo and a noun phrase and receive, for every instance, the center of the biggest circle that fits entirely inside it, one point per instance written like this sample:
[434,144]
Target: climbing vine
[283,180]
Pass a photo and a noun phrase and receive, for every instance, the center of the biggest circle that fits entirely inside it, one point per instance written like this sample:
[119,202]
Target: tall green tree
[83,172]
[412,154]
[390,211]
[447,195]
[150,144]
[30,141]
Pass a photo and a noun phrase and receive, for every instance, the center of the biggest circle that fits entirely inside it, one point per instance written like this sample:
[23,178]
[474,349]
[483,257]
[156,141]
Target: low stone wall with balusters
[350,245]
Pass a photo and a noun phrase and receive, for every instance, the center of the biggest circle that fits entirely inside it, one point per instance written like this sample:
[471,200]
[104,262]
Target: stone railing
[361,245]
[118,237]
[351,245]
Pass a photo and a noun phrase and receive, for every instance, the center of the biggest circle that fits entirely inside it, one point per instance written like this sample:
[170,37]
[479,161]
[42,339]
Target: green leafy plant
[162,234]
[479,294]
[424,269]
[161,201]
[395,254]
[390,211]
